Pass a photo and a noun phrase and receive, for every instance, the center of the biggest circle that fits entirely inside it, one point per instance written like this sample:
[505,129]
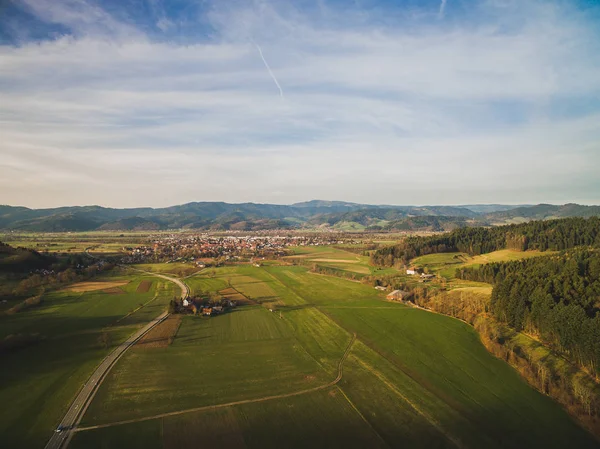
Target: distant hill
[542,212]
[427,223]
[488,208]
[338,215]
[132,224]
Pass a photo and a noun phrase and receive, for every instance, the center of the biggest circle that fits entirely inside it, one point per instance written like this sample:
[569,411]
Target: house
[207,311]
[426,276]
[397,295]
[380,288]
[411,271]
[186,303]
[217,310]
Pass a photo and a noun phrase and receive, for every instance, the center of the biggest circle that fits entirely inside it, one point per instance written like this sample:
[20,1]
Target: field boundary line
[135,310]
[291,290]
[398,393]
[361,415]
[230,404]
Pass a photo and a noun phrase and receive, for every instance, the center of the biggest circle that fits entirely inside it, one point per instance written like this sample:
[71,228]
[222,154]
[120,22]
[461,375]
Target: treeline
[25,272]
[20,260]
[554,297]
[536,235]
[23,305]
[542,368]
[330,271]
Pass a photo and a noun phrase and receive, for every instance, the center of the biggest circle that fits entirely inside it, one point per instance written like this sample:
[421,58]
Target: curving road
[185,290]
[86,394]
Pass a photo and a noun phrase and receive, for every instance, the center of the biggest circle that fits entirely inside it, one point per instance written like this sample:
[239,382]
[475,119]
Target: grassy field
[174,268]
[46,376]
[505,255]
[247,353]
[411,379]
[98,242]
[445,264]
[319,419]
[346,262]
[199,284]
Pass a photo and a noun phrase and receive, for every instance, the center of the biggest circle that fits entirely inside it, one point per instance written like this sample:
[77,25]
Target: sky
[128,103]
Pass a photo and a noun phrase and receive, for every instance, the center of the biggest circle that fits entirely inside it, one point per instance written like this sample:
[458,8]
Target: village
[203,249]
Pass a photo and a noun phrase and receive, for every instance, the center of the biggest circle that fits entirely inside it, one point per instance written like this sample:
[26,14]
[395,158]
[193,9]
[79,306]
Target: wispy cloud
[269,69]
[442,9]
[379,106]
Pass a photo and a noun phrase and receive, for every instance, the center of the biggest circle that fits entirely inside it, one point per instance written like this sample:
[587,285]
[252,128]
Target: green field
[39,381]
[244,354]
[445,264]
[320,419]
[345,262]
[173,268]
[98,242]
[411,378]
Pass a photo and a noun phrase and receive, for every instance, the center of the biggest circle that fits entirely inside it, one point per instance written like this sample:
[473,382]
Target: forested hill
[555,297]
[335,215]
[216,216]
[542,212]
[540,235]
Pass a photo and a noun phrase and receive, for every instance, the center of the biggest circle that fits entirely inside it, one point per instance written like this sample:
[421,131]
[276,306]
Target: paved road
[185,290]
[86,394]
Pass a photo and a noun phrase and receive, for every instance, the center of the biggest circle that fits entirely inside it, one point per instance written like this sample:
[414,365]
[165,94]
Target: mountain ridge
[218,215]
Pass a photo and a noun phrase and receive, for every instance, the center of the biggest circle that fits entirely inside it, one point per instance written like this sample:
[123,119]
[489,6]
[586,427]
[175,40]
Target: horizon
[434,102]
[463,205]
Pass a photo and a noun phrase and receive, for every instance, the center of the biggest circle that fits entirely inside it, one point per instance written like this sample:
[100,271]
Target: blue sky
[155,102]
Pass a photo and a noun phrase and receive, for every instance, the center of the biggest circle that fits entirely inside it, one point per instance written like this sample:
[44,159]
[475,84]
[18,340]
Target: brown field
[233,295]
[144,287]
[162,335]
[82,287]
[113,291]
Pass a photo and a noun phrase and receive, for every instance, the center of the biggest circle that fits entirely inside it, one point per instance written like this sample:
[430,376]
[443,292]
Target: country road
[185,290]
[86,394]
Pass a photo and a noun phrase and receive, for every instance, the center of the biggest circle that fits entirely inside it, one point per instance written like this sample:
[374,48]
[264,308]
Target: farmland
[97,242]
[410,378]
[308,358]
[446,263]
[337,259]
[47,374]
[178,269]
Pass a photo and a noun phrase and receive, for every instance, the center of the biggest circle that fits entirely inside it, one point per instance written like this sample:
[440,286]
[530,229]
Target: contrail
[269,69]
[442,8]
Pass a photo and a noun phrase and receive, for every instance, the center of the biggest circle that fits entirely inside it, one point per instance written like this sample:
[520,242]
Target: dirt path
[229,404]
